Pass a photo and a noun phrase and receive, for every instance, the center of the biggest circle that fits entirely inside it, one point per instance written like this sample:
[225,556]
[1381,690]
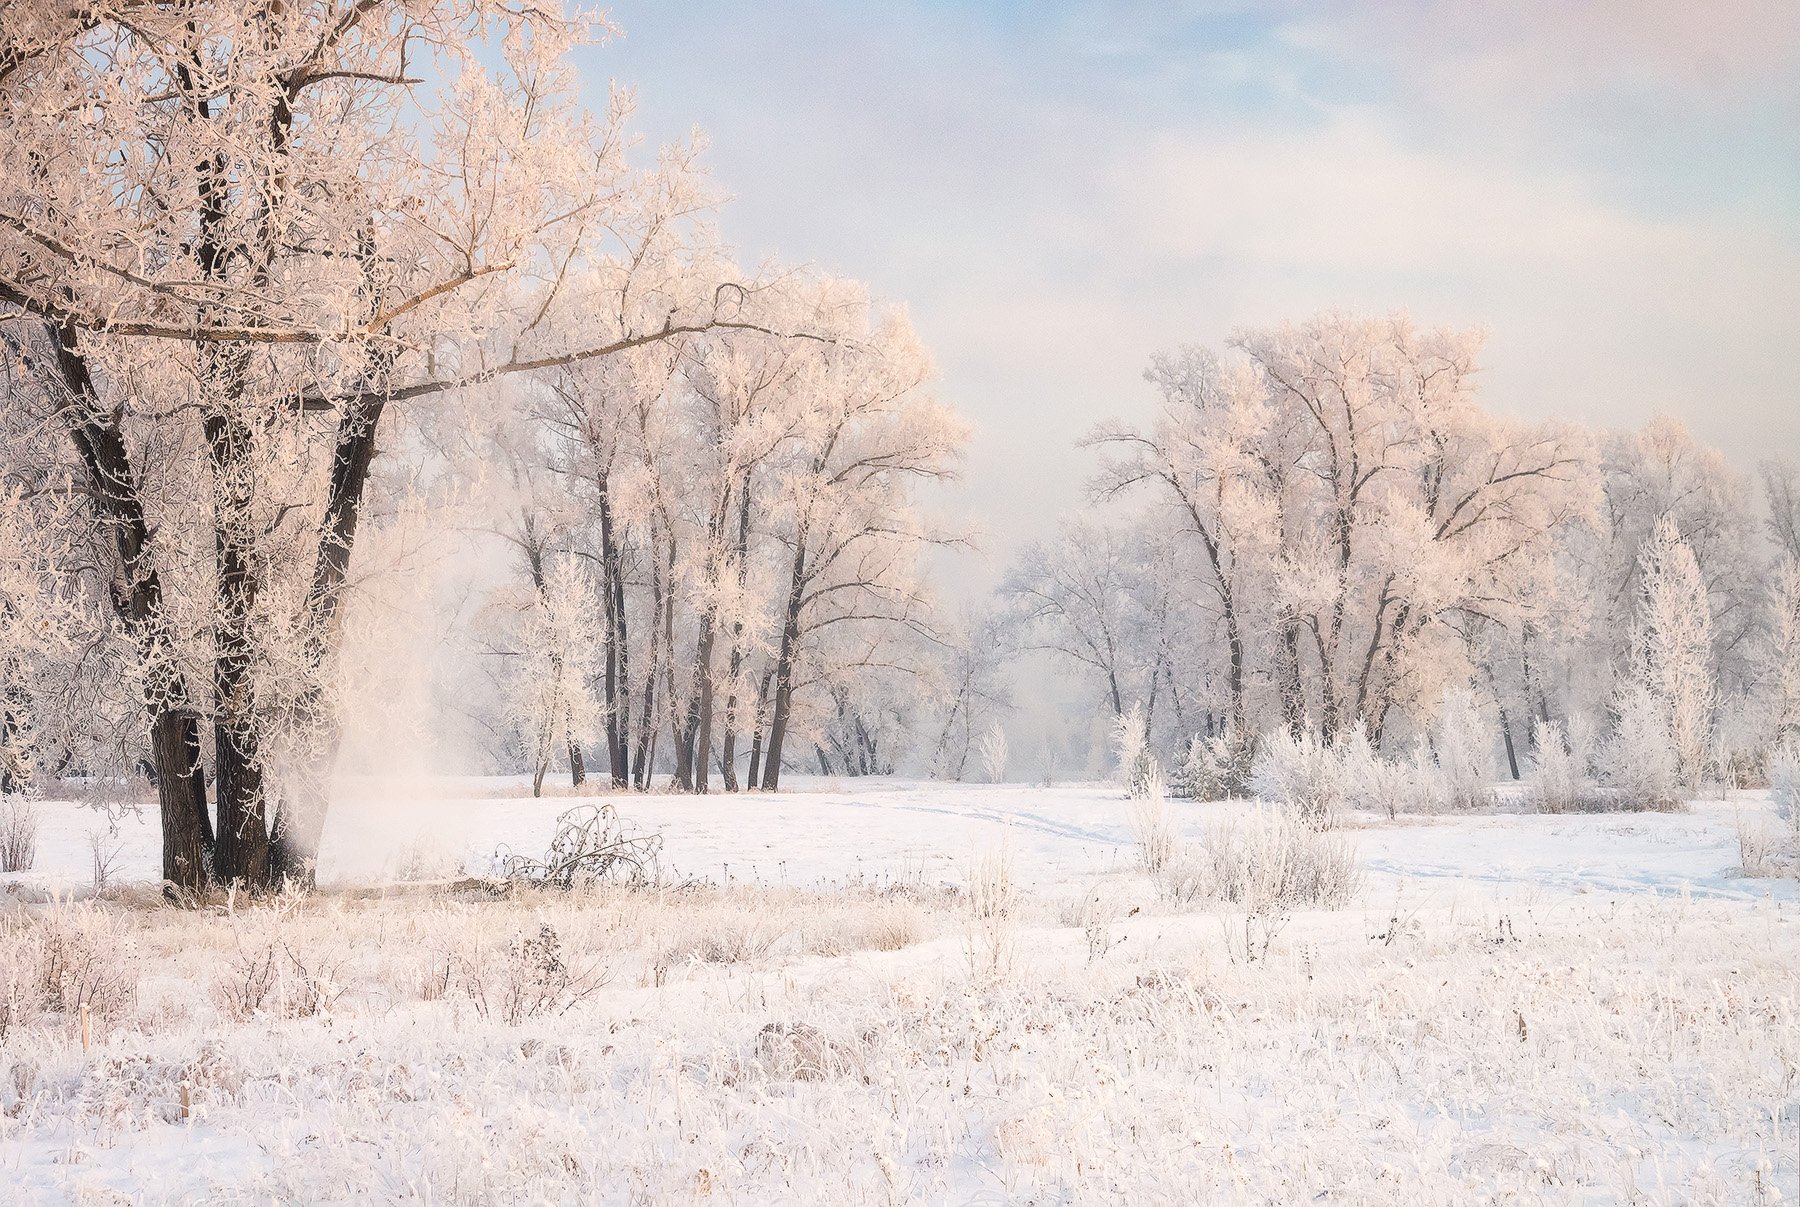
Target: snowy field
[898,992]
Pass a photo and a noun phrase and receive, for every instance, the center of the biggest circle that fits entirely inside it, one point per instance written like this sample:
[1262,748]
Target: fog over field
[938,603]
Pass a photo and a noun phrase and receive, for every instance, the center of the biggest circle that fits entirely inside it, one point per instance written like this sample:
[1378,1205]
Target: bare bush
[268,977]
[531,977]
[1761,849]
[88,959]
[18,834]
[21,976]
[590,845]
[105,847]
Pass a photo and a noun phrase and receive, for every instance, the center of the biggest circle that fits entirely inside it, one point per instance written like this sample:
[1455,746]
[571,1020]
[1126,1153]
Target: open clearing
[817,1008]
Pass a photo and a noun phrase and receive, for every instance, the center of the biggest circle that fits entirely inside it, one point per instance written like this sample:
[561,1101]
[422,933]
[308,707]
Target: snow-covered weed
[19,821]
[1321,1070]
[1153,826]
[86,957]
[993,903]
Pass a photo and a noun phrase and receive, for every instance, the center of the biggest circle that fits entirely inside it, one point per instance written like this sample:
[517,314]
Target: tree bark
[138,602]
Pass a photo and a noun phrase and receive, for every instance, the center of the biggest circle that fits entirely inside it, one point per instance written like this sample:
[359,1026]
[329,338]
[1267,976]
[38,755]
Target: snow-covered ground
[1514,1008]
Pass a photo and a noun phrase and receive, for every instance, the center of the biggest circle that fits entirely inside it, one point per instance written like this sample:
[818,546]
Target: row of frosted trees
[717,548]
[1322,530]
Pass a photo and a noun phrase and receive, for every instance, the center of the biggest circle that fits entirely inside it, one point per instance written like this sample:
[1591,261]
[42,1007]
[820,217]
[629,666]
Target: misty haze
[944,603]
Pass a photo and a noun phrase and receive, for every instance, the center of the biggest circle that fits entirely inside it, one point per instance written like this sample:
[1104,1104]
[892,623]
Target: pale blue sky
[1057,190]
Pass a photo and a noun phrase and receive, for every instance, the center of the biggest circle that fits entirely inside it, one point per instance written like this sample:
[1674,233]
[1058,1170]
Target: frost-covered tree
[968,682]
[553,667]
[1672,648]
[1781,661]
[1638,761]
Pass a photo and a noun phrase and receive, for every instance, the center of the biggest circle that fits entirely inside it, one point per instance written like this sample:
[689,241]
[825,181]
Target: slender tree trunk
[577,766]
[784,666]
[756,740]
[647,712]
[700,704]
[728,741]
[617,679]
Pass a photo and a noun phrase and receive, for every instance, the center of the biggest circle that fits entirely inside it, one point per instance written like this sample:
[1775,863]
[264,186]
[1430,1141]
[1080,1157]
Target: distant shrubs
[18,834]
[1464,746]
[1558,781]
[1131,743]
[1214,768]
[1304,773]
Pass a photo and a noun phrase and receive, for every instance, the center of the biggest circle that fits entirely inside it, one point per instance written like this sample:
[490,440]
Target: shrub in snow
[1131,742]
[1639,761]
[1557,781]
[1464,747]
[88,958]
[1371,783]
[993,902]
[18,834]
[1153,826]
[21,974]
[1761,853]
[531,977]
[1784,782]
[1302,773]
[269,978]
[1215,768]
[1268,861]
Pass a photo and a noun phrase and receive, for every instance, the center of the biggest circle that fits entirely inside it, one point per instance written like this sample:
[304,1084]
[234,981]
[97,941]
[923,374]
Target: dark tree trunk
[577,767]
[617,677]
[1293,700]
[138,602]
[784,667]
[241,850]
